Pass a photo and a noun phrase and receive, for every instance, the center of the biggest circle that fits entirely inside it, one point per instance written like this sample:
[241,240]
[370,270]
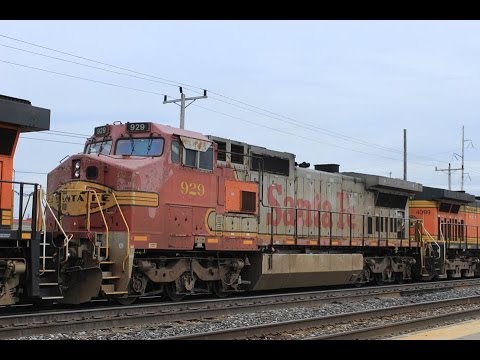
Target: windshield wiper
[133,145]
[149,145]
[100,148]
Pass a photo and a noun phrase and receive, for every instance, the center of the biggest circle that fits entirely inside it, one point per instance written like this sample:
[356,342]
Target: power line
[91,60]
[81,78]
[174,83]
[48,140]
[222,113]
[155,93]
[291,121]
[61,133]
[30,172]
[277,116]
[85,65]
[292,134]
[304,137]
[263,112]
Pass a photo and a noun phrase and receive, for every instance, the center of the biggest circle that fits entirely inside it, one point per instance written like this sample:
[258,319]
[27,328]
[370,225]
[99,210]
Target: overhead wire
[88,59]
[50,140]
[66,134]
[192,87]
[156,93]
[205,108]
[297,135]
[288,120]
[208,109]
[30,172]
[175,83]
[81,78]
[85,65]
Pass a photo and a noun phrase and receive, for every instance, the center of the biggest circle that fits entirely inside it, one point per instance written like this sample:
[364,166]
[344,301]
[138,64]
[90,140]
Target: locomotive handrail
[18,182]
[89,204]
[330,213]
[444,242]
[97,199]
[67,239]
[22,209]
[26,205]
[104,221]
[128,230]
[319,210]
[433,239]
[44,223]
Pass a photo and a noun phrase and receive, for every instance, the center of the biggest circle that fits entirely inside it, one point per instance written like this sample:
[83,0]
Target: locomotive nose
[88,168]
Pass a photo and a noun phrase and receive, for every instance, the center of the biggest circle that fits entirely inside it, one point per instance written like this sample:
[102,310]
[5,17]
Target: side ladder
[433,256]
[108,266]
[50,257]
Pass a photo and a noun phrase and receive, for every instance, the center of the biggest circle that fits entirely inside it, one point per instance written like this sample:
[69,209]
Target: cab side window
[202,160]
[206,159]
[176,151]
[190,158]
[188,152]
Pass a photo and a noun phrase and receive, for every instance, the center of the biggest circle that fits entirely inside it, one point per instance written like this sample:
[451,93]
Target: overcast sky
[328,91]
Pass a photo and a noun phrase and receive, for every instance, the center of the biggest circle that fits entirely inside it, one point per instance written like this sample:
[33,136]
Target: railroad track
[34,323]
[304,328]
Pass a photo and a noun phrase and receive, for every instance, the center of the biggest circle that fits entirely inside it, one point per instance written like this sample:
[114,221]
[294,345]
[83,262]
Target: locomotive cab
[114,199]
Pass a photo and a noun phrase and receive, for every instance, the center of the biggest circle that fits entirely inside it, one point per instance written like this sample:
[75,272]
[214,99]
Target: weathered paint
[172,204]
[274,271]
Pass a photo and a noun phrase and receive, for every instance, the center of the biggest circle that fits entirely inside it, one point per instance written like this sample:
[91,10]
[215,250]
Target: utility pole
[463,154]
[449,170]
[404,154]
[182,104]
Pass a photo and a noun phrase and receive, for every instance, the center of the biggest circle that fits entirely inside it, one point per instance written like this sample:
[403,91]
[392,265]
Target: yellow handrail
[104,221]
[67,239]
[89,204]
[128,231]
[39,218]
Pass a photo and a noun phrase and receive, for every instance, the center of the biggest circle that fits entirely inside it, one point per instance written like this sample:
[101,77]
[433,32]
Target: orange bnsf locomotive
[449,222]
[152,209]
[20,225]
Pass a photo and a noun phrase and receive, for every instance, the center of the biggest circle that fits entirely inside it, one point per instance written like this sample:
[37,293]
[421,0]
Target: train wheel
[378,279]
[218,290]
[126,300]
[171,292]
[399,278]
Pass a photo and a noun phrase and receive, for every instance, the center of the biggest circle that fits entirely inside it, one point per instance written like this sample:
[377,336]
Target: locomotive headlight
[76,169]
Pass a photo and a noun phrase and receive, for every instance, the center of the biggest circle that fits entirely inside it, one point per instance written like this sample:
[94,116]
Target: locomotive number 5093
[192,189]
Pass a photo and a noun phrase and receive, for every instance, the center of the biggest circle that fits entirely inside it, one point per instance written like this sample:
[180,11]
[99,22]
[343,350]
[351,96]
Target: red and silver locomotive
[150,209]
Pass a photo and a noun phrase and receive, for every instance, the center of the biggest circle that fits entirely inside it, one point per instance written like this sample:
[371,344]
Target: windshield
[140,147]
[101,147]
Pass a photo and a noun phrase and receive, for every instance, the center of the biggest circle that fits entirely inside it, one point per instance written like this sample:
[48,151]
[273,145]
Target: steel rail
[276,328]
[33,323]
[391,329]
